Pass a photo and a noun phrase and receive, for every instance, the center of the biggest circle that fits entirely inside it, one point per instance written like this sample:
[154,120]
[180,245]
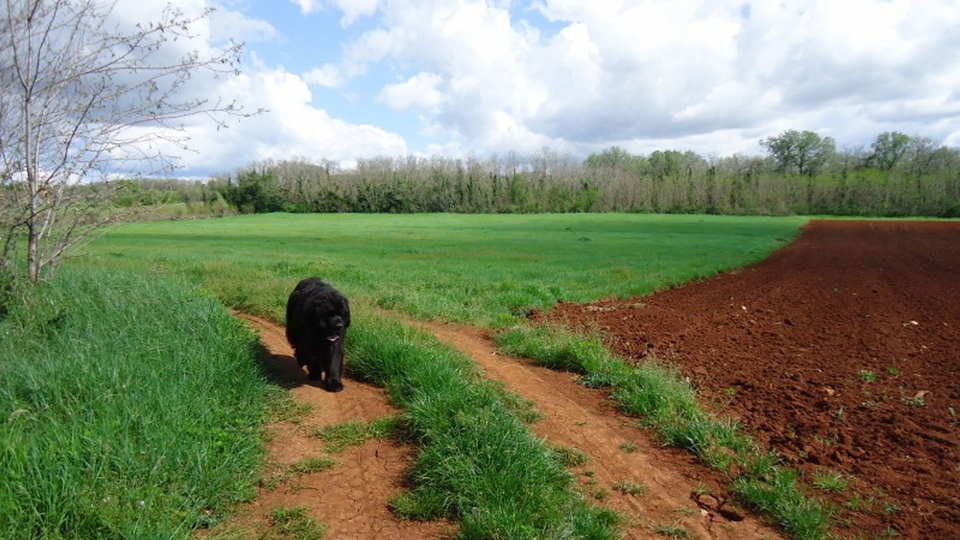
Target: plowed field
[841,351]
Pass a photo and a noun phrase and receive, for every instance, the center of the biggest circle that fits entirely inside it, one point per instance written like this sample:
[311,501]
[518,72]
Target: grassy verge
[665,402]
[476,461]
[129,408]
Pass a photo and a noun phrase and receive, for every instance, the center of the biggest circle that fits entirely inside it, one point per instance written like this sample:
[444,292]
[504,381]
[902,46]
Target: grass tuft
[630,488]
[570,457]
[294,524]
[672,531]
[782,496]
[313,465]
[339,437]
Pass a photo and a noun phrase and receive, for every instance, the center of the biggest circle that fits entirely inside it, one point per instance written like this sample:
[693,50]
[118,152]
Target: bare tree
[82,98]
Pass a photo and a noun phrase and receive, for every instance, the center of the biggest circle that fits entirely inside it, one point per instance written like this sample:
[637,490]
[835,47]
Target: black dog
[317,320]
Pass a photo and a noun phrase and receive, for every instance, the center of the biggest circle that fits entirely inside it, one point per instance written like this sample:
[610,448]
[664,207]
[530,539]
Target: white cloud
[419,92]
[480,77]
[327,76]
[292,127]
[354,9]
[228,24]
[308,6]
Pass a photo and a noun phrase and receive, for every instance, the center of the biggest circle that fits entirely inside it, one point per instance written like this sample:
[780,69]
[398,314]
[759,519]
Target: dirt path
[676,492]
[841,351]
[351,499]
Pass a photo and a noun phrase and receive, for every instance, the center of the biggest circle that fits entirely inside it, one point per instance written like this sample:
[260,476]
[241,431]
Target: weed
[420,506]
[294,524]
[313,465]
[916,400]
[826,441]
[630,488]
[282,407]
[600,494]
[570,457]
[867,376]
[781,496]
[629,447]
[671,531]
[354,433]
[859,503]
[830,481]
[385,427]
[280,475]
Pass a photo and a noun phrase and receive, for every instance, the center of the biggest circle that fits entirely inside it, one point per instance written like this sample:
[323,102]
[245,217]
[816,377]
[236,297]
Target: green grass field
[480,269]
[86,368]
[122,418]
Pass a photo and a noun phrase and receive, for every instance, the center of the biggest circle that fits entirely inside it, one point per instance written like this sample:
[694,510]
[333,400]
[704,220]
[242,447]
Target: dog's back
[295,308]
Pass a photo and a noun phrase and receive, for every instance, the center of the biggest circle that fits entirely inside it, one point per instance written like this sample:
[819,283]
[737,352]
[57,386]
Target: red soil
[841,351]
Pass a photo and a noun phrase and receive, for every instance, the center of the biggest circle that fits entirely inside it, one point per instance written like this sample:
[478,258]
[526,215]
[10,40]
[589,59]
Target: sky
[344,80]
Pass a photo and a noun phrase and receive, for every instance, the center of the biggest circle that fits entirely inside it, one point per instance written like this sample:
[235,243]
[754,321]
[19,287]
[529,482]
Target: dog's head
[328,318]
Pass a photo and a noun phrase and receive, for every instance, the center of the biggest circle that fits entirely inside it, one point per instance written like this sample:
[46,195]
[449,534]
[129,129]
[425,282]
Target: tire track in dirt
[351,498]
[581,418]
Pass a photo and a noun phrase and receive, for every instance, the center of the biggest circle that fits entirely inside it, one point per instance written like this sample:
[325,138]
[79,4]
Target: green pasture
[479,269]
[133,398]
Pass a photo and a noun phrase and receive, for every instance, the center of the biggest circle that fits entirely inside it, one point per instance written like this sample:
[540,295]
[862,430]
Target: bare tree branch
[82,99]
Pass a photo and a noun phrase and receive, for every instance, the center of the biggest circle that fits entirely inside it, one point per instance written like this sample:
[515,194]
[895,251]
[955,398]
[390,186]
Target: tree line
[801,173]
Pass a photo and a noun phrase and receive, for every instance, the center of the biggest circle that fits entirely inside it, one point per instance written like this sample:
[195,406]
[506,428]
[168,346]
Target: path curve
[351,499]
[677,492]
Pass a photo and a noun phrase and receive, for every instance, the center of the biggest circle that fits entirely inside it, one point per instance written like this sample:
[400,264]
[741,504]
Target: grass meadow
[486,270]
[100,360]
